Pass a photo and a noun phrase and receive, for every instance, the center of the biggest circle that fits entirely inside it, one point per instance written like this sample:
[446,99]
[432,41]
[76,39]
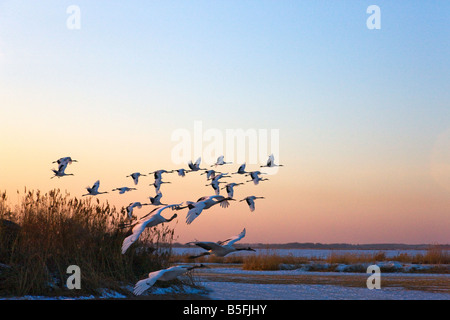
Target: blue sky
[352,104]
[209,58]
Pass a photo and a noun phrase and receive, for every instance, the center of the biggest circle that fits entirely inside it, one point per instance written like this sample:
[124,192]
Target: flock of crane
[154,217]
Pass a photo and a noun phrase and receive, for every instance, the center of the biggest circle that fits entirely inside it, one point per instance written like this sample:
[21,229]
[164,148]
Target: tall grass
[54,231]
[353,258]
[271,261]
[434,255]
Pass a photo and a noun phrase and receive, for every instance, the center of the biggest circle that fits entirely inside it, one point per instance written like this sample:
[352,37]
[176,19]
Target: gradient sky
[363,115]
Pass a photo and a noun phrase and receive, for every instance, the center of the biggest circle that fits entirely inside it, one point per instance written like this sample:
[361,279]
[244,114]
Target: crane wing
[218,199]
[194,212]
[251,204]
[136,232]
[64,160]
[96,185]
[62,167]
[215,186]
[130,211]
[270,161]
[142,285]
[236,238]
[208,245]
[230,191]
[224,203]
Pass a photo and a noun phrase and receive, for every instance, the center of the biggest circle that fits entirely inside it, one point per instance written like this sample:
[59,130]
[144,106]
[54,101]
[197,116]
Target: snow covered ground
[251,291]
[255,291]
[239,271]
[232,285]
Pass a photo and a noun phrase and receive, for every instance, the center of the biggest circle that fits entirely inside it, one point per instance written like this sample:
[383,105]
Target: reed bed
[353,258]
[269,260]
[46,233]
[434,255]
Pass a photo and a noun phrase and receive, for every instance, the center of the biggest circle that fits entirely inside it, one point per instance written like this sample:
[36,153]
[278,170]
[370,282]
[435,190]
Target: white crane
[61,172]
[156,200]
[122,190]
[158,174]
[65,160]
[255,177]
[221,248]
[215,185]
[271,162]
[230,188]
[135,176]
[210,174]
[204,203]
[133,205]
[93,191]
[162,275]
[220,162]
[195,166]
[251,201]
[157,184]
[220,176]
[241,170]
[215,182]
[149,220]
[181,172]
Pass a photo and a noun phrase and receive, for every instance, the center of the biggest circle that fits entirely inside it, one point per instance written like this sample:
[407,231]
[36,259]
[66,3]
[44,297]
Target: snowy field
[307,253]
[239,288]
[248,291]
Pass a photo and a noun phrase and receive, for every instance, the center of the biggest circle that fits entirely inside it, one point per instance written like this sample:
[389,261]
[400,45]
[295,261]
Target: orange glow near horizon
[303,205]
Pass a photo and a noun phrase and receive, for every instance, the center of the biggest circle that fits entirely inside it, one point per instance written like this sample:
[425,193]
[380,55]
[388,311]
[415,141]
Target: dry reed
[46,233]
